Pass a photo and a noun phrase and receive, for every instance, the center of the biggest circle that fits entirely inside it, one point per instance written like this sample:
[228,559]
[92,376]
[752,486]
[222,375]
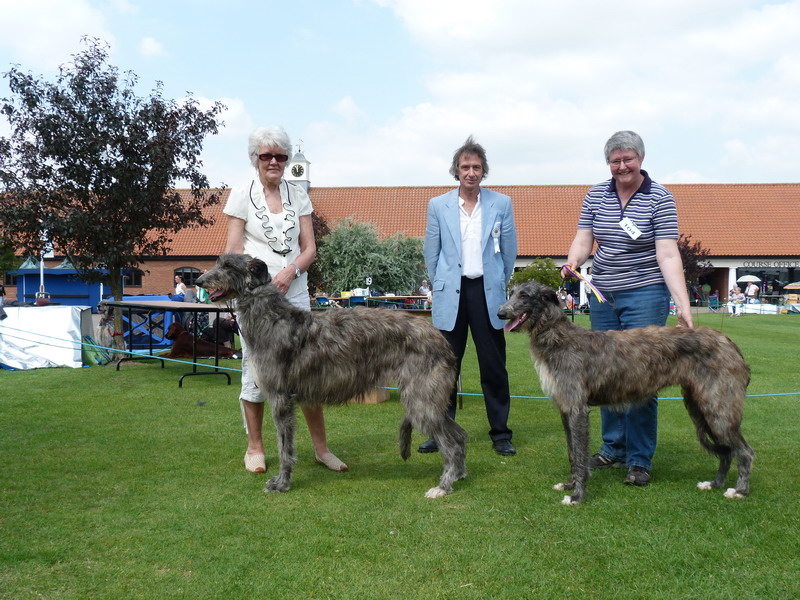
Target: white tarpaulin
[32,337]
[761,309]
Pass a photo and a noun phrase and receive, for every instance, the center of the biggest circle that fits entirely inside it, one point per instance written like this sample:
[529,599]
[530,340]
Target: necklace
[281,247]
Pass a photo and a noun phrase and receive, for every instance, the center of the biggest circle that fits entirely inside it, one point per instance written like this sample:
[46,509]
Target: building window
[189,274]
[132,277]
[9,279]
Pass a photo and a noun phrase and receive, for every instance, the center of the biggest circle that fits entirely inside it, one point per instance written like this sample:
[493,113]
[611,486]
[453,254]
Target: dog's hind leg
[744,459]
[451,439]
[405,438]
[719,434]
[425,394]
[576,428]
[284,418]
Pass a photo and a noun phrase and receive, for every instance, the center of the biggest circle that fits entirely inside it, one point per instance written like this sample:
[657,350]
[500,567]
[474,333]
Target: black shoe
[504,448]
[598,461]
[428,447]
[637,476]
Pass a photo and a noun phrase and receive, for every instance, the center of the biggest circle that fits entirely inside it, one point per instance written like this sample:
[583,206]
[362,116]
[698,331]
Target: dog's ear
[549,295]
[258,272]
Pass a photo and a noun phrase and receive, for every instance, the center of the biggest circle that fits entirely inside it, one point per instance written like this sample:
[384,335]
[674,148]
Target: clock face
[298,170]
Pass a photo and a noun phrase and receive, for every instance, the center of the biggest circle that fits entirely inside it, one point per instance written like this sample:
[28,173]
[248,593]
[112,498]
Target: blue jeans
[630,435]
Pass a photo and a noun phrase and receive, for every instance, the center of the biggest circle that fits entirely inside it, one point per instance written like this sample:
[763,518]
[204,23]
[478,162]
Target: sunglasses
[266,157]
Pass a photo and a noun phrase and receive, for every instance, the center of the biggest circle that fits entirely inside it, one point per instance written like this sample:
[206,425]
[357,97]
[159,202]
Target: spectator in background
[226,324]
[180,287]
[202,295]
[751,292]
[736,300]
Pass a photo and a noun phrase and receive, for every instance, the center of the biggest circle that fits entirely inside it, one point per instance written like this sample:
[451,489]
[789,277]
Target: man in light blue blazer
[470,248]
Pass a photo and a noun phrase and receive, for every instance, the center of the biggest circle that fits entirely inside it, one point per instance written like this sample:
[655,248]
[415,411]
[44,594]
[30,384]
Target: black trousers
[490,345]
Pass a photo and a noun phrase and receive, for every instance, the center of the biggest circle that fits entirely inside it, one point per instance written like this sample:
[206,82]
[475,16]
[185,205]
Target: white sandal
[330,461]
[255,463]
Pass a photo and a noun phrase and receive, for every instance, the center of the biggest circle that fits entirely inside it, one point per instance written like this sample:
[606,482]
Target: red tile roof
[206,241]
[727,219]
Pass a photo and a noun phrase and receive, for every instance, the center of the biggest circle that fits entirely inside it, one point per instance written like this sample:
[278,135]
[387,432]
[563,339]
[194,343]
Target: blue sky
[382,91]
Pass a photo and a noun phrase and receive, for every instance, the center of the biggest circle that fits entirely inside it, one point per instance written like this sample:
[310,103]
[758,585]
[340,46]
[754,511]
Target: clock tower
[298,171]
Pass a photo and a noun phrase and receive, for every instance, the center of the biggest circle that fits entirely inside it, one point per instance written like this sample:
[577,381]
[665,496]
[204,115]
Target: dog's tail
[405,438]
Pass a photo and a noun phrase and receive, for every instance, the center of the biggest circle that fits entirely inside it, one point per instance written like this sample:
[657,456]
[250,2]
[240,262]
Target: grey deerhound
[328,358]
[579,368]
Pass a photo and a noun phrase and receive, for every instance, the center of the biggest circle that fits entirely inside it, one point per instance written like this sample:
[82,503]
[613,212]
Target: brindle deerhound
[306,358]
[579,368]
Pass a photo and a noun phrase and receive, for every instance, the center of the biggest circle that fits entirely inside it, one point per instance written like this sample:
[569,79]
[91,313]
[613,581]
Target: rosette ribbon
[580,277]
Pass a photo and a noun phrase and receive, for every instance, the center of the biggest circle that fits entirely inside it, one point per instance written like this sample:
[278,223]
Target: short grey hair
[625,140]
[469,147]
[268,137]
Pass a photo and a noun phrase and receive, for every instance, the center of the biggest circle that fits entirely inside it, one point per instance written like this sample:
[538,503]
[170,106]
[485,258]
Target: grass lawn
[120,484]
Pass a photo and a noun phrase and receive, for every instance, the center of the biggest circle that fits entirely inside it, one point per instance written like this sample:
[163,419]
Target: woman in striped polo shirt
[637,267]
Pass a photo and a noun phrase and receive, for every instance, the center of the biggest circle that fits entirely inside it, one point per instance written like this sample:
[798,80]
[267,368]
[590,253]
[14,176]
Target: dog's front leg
[576,425]
[568,485]
[283,417]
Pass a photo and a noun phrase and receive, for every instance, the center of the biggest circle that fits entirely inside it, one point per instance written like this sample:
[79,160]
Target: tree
[315,279]
[403,264]
[8,260]
[90,168]
[695,261]
[353,251]
[541,270]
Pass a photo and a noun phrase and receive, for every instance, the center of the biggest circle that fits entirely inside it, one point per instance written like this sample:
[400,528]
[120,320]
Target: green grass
[119,484]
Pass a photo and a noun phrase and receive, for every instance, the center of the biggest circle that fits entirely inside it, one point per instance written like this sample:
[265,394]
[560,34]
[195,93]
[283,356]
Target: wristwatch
[297,271]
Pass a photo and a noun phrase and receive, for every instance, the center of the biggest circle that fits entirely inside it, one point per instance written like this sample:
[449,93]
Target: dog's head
[529,303]
[174,331]
[234,275]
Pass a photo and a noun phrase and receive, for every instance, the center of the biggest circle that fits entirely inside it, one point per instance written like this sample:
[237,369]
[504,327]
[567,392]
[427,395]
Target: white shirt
[471,230]
[265,232]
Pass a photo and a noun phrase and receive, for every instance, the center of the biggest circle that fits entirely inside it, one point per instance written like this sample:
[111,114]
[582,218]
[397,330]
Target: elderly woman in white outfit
[270,218]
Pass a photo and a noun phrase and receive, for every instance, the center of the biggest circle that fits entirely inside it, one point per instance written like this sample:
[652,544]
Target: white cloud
[773,154]
[542,86]
[150,48]
[236,121]
[41,34]
[685,176]
[348,110]
[225,154]
[124,7]
[712,86]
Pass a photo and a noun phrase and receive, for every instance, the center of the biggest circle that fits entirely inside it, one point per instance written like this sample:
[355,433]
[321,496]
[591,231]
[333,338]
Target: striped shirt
[620,262]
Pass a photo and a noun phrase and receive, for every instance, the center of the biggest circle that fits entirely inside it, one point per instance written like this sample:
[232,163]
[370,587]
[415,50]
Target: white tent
[33,337]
